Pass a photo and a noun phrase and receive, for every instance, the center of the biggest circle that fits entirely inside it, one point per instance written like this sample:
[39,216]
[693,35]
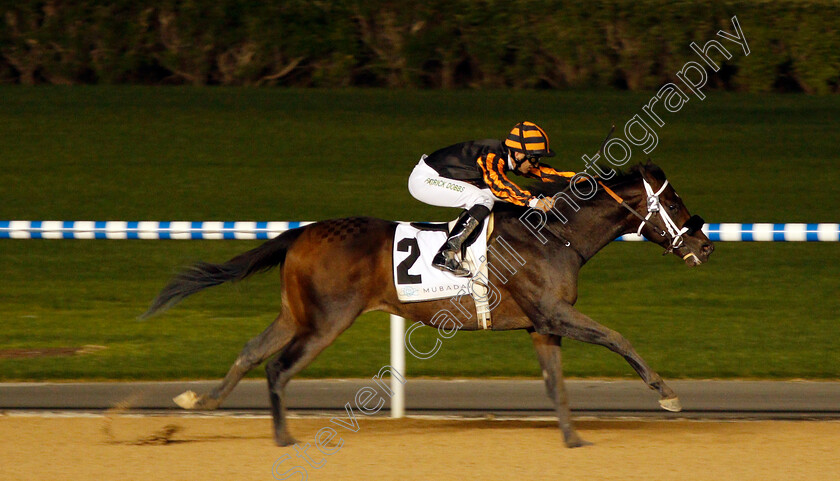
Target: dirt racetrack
[235,448]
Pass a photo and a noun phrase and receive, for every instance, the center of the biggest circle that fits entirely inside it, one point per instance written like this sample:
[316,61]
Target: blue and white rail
[152,230]
[244,230]
[764,232]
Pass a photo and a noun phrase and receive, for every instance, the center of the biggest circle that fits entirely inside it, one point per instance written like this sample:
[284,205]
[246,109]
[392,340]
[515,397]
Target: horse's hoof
[577,443]
[186,400]
[191,400]
[671,404]
[284,441]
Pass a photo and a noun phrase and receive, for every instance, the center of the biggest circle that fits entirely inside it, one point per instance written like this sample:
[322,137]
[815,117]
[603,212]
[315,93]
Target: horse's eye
[673,207]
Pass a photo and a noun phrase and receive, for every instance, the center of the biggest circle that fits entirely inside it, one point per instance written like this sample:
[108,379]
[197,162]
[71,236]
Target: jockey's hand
[545,204]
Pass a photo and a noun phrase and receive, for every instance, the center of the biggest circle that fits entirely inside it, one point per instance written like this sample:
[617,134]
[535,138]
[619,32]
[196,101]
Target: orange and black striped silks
[493,170]
[547,173]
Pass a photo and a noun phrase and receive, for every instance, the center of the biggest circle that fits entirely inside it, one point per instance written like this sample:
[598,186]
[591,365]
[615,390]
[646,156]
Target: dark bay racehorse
[333,271]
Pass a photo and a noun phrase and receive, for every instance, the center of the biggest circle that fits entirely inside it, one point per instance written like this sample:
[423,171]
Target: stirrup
[447,261]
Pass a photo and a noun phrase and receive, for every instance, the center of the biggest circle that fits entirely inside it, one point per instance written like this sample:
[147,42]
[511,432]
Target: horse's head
[657,212]
[669,223]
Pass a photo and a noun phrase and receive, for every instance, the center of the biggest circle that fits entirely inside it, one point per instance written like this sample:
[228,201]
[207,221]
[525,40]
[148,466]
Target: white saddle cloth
[414,277]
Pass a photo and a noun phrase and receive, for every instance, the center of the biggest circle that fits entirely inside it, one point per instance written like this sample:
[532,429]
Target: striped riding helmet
[529,139]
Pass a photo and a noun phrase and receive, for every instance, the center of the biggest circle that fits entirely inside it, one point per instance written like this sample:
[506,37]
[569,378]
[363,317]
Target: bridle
[673,232]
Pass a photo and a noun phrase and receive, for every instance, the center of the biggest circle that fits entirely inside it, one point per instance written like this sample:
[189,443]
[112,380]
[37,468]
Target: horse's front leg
[564,320]
[551,362]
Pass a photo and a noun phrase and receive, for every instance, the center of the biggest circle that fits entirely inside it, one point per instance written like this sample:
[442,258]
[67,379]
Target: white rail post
[398,363]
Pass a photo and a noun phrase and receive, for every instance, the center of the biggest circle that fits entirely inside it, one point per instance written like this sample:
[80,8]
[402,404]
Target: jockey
[472,175]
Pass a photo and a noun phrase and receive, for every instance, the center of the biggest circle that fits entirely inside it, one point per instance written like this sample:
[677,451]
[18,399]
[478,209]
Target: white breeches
[426,185]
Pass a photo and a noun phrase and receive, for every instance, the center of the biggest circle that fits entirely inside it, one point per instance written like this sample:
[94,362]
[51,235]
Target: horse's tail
[203,275]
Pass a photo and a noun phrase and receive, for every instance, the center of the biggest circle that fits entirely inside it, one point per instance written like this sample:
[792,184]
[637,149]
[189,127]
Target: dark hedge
[794,44]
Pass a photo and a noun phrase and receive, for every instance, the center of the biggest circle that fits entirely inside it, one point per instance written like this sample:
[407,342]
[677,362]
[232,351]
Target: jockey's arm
[493,170]
[546,173]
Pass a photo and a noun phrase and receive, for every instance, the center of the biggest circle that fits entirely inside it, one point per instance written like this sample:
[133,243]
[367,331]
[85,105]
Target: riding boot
[447,257]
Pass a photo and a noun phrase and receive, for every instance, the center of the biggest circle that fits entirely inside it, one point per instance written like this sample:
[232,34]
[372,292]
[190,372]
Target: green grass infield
[757,310]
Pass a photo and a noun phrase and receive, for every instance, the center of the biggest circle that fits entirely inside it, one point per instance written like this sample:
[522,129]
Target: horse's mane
[621,177]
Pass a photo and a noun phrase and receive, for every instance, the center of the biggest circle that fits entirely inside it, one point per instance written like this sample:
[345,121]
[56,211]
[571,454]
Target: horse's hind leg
[551,362]
[294,357]
[257,350]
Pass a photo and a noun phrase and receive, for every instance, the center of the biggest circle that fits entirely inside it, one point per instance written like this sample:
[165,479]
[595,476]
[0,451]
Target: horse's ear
[641,169]
[653,171]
